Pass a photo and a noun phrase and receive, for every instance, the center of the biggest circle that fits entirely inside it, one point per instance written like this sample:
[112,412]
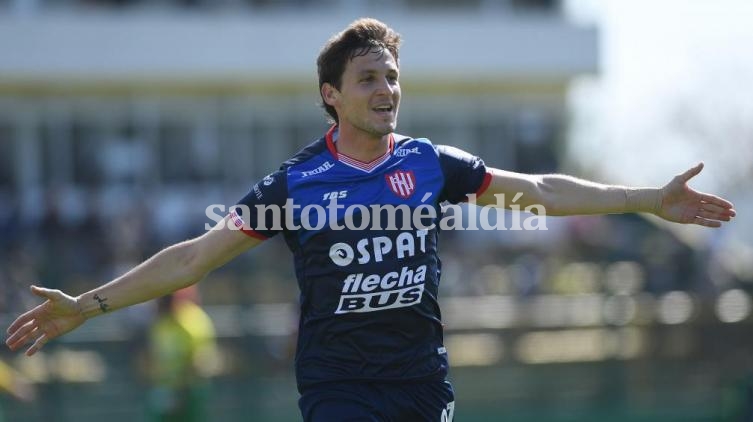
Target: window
[535,132]
[86,140]
[495,143]
[176,158]
[7,155]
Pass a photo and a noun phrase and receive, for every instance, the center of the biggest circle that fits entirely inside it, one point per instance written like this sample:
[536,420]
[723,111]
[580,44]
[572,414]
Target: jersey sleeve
[261,213]
[464,174]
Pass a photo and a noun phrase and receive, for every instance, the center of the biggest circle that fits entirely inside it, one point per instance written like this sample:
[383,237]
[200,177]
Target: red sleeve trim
[239,223]
[255,235]
[484,184]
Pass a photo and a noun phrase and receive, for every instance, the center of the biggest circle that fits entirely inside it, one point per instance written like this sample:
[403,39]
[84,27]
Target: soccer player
[13,383]
[182,356]
[370,336]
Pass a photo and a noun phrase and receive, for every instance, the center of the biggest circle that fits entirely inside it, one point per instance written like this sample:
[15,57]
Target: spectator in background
[182,357]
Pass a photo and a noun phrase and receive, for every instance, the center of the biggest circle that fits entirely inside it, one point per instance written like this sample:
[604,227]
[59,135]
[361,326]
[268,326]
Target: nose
[386,87]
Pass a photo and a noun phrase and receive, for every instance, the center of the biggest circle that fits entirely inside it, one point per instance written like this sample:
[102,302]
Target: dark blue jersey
[368,277]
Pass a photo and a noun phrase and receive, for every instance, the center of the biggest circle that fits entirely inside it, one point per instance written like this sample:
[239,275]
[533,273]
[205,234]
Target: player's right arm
[171,269]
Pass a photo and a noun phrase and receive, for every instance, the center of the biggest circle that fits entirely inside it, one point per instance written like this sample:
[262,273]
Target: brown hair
[363,36]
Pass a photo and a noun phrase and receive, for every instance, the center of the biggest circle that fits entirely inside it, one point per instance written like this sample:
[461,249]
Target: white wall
[142,46]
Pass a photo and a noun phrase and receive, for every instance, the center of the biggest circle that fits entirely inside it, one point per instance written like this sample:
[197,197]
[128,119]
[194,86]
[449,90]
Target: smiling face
[369,95]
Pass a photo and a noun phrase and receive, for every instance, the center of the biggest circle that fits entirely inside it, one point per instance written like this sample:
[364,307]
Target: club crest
[402,183]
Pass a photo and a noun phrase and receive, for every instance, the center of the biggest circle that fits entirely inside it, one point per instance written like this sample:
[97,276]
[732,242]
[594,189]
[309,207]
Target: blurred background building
[122,120]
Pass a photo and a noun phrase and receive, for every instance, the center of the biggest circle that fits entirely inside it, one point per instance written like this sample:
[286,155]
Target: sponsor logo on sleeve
[257,191]
[404,152]
[319,170]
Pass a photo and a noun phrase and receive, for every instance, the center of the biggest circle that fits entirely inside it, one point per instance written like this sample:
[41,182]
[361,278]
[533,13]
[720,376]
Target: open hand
[58,315]
[683,204]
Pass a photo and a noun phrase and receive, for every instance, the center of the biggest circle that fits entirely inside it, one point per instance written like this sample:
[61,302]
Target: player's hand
[682,204]
[58,315]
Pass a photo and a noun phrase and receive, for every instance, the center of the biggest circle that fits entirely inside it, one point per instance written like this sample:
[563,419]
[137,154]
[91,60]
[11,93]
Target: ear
[330,94]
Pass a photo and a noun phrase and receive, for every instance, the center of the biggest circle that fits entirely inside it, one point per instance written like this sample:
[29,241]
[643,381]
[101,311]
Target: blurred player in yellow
[182,355]
[13,383]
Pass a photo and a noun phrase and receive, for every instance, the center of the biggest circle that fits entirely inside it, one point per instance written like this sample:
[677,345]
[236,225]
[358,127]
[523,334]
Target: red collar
[337,155]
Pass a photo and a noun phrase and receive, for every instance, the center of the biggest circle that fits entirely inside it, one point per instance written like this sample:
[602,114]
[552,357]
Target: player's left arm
[565,195]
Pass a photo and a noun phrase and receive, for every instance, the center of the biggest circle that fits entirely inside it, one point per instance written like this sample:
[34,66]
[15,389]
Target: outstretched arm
[173,268]
[565,195]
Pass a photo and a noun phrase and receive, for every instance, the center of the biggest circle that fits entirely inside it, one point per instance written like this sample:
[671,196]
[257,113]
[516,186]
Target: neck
[361,145]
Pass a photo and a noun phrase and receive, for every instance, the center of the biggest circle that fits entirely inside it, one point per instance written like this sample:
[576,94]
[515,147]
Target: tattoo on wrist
[102,305]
